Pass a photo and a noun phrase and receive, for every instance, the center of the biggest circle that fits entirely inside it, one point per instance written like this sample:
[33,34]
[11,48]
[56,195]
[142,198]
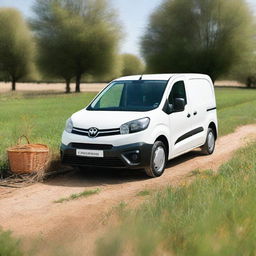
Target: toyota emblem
[93,132]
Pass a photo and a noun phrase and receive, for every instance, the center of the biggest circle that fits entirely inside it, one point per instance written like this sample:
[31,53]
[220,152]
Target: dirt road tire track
[31,212]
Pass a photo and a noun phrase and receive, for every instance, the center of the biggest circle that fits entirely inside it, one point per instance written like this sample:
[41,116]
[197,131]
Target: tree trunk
[78,81]
[67,85]
[13,84]
[249,82]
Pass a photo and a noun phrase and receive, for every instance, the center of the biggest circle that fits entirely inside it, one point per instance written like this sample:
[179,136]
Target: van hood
[86,119]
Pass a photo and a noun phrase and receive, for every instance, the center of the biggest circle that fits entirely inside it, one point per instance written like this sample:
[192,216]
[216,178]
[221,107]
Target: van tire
[157,162]
[209,146]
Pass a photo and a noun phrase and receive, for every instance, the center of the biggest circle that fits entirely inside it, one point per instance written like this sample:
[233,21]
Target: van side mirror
[179,104]
[168,108]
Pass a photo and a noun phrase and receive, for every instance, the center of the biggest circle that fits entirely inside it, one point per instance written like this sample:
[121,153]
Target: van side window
[178,91]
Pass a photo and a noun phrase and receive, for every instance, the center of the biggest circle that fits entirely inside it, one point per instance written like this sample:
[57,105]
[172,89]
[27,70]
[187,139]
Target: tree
[206,36]
[131,65]
[245,71]
[16,46]
[75,37]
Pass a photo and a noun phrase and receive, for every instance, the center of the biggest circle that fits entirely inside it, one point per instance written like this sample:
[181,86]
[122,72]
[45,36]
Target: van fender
[162,130]
[212,120]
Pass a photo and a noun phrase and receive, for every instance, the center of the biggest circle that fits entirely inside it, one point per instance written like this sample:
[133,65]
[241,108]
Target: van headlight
[69,126]
[135,126]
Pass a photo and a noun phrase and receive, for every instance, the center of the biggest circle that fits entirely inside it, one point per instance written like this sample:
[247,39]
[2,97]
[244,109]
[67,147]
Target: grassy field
[214,215]
[42,116]
[235,107]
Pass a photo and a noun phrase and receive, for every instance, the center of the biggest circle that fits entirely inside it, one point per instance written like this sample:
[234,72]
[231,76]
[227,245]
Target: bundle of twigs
[22,180]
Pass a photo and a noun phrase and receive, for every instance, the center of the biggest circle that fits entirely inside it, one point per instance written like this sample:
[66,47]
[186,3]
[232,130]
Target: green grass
[235,107]
[228,97]
[214,215]
[9,246]
[85,193]
[144,193]
[42,116]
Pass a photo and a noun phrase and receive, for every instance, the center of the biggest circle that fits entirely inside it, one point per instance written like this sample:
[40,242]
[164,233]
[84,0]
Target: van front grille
[101,133]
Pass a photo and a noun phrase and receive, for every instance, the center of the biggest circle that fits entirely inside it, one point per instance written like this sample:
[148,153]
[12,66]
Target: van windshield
[139,95]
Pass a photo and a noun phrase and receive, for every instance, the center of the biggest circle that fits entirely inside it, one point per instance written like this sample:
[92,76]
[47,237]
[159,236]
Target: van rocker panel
[116,157]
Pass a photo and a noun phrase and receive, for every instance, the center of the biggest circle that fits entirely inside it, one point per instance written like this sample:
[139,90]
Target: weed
[198,172]
[120,208]
[85,193]
[144,193]
[8,245]
[195,172]
[4,169]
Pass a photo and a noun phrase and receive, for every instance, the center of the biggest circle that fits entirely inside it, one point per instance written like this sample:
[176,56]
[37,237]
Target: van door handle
[188,116]
[195,113]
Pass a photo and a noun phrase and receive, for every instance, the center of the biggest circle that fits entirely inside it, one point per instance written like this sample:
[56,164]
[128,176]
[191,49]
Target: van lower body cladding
[132,156]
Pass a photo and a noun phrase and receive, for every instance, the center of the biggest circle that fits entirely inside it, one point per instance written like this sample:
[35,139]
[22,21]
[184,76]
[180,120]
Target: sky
[133,14]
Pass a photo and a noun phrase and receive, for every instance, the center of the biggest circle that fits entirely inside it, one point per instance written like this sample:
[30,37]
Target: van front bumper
[131,156]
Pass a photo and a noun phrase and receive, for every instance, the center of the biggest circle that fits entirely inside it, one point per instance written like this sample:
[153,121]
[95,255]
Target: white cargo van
[142,122]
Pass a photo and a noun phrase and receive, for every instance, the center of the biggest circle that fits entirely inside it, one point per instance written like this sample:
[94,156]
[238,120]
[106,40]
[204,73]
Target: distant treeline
[79,40]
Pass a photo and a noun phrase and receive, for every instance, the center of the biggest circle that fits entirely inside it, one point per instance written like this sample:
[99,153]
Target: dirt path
[57,87]
[31,212]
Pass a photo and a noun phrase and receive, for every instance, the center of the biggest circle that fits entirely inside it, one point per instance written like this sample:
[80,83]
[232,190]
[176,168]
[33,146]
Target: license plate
[89,153]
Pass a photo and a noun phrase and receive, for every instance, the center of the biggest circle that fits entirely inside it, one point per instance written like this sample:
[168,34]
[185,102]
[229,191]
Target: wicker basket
[27,158]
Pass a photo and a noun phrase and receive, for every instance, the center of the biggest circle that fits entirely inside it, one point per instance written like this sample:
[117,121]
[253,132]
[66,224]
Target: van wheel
[158,160]
[209,146]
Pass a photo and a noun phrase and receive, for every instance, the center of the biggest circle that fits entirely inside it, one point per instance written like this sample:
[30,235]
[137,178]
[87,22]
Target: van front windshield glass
[140,95]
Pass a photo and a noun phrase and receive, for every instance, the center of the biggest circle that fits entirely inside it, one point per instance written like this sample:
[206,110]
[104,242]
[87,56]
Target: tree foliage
[76,37]
[245,71]
[207,36]
[131,65]
[16,46]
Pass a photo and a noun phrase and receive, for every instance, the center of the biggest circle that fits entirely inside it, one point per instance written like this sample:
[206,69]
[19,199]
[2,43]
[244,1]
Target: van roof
[160,76]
